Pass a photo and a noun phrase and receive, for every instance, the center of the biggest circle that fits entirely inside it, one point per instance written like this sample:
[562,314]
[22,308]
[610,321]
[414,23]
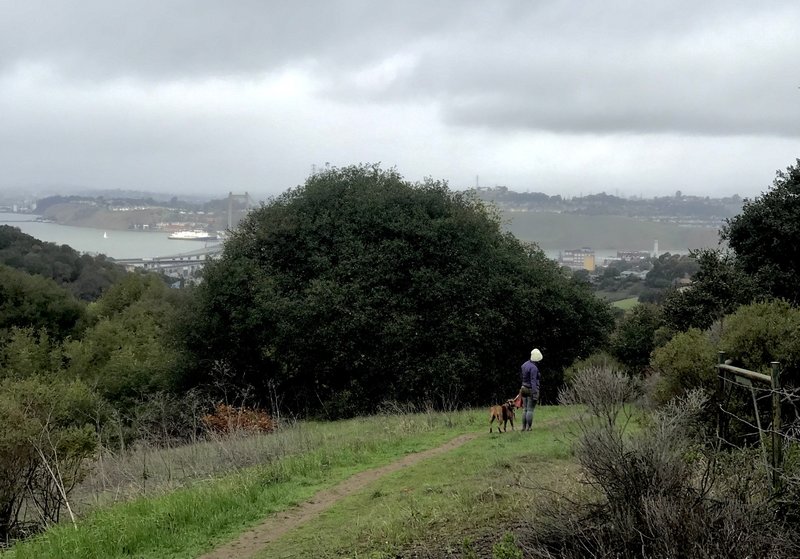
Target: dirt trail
[253,540]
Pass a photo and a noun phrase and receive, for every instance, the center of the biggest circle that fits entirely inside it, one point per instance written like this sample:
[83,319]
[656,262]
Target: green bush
[47,434]
[684,363]
[30,301]
[128,351]
[760,333]
[28,352]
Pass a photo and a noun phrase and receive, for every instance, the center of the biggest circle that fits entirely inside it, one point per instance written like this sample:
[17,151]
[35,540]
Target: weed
[506,548]
[468,549]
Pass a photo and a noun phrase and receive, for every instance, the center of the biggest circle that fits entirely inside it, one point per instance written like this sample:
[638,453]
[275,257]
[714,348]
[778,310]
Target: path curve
[273,527]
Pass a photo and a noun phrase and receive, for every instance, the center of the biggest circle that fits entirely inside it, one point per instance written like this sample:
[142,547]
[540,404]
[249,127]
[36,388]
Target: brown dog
[503,412]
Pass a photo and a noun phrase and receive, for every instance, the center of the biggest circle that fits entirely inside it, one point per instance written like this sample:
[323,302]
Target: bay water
[115,244]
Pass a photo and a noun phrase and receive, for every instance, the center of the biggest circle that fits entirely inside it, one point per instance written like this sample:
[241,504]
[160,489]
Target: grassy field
[463,495]
[604,232]
[626,304]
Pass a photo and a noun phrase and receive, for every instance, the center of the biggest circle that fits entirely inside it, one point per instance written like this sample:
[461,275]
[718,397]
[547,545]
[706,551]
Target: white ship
[195,235]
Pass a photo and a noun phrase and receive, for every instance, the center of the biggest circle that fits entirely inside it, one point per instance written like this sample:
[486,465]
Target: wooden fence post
[777,441]
[721,434]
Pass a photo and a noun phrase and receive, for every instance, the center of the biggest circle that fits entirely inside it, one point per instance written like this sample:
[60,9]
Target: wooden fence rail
[724,372]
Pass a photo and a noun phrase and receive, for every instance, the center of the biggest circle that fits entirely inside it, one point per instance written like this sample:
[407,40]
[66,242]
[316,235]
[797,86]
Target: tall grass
[148,470]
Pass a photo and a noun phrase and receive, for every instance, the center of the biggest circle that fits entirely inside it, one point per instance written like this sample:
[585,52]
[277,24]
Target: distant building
[632,255]
[578,259]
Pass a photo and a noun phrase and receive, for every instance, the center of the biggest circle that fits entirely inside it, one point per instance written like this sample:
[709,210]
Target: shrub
[46,437]
[686,362]
[360,286]
[762,332]
[656,491]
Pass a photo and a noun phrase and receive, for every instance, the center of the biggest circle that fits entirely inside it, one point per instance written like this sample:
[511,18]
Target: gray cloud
[208,95]
[176,39]
[722,70]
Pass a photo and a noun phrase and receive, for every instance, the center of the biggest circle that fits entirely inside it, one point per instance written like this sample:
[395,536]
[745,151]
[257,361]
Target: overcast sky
[569,97]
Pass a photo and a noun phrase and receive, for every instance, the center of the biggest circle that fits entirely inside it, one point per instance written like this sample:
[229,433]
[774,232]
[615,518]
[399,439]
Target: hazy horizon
[562,97]
[204,197]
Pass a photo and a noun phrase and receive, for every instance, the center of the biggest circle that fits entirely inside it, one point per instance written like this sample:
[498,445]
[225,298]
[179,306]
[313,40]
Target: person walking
[530,377]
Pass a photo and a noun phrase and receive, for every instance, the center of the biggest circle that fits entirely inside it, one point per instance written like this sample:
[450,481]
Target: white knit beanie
[536,355]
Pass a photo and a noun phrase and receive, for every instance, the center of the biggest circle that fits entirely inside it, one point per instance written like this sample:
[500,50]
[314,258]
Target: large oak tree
[359,287]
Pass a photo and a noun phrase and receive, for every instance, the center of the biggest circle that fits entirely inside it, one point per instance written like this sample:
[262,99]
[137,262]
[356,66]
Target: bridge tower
[248,203]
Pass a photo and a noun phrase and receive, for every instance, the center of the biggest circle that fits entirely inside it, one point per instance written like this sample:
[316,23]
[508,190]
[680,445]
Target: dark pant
[528,405]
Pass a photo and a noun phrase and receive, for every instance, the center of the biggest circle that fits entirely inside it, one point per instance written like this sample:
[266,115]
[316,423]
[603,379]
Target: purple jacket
[530,376]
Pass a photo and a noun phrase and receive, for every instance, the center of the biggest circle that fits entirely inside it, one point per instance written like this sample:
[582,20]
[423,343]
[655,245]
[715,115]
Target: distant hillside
[604,232]
[678,208]
[85,214]
[139,214]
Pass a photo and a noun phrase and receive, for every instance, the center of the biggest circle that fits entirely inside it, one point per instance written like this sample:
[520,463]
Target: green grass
[467,494]
[626,304]
[438,495]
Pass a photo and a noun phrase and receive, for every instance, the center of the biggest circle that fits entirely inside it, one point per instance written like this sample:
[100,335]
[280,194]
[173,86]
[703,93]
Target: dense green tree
[129,350]
[28,352]
[32,301]
[766,236]
[84,276]
[717,289]
[634,338]
[359,287]
[668,268]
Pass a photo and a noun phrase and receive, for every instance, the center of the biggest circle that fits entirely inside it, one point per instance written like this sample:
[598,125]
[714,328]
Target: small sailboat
[105,235]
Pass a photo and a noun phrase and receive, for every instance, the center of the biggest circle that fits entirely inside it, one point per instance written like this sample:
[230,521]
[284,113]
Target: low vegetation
[664,490]
[178,512]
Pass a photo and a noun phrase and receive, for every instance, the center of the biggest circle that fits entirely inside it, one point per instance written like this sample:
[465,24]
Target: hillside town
[680,208]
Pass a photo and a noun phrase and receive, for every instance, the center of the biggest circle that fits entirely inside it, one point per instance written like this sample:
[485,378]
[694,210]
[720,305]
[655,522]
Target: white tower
[655,249]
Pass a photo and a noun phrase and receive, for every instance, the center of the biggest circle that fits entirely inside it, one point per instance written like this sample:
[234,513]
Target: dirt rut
[255,539]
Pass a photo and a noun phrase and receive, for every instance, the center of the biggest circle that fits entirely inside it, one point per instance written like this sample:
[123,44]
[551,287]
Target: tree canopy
[766,236]
[718,288]
[359,287]
[33,301]
[84,276]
